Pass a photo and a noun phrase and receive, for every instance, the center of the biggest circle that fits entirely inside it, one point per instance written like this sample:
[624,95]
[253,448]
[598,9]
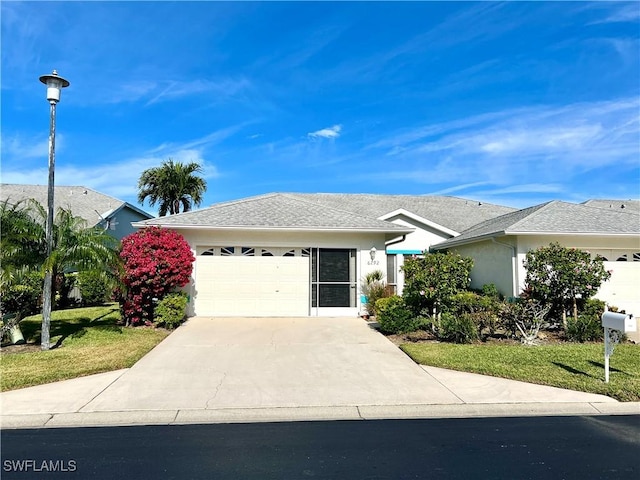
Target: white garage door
[252,281]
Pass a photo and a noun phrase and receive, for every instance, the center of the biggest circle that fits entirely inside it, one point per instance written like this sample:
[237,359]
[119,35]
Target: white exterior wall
[492,263]
[421,239]
[361,242]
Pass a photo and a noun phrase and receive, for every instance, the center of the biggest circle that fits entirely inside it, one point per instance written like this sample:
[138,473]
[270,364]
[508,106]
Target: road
[492,448]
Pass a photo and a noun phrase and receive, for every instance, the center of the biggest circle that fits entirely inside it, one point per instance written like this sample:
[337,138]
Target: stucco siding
[492,263]
[418,241]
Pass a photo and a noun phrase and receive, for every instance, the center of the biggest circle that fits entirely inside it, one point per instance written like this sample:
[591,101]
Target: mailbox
[615,324]
[623,322]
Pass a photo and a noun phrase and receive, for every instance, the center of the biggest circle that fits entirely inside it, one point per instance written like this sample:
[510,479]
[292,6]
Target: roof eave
[398,231]
[453,242]
[579,234]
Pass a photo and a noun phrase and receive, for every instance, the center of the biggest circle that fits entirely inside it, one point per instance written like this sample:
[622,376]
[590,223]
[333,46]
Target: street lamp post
[54,84]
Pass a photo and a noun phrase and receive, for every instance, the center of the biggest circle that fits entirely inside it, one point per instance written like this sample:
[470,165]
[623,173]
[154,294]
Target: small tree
[432,279]
[558,276]
[156,262]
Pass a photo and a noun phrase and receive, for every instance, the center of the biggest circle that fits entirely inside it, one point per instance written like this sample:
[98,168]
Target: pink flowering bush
[156,262]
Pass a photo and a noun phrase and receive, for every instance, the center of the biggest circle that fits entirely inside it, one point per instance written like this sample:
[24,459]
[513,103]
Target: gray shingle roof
[554,217]
[614,205]
[83,202]
[276,210]
[457,214]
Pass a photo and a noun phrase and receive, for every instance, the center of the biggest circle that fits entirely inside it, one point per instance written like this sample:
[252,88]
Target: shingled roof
[84,202]
[276,211]
[614,205]
[457,214]
[554,217]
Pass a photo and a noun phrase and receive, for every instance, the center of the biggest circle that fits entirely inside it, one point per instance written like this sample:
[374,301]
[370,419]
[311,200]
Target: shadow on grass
[74,327]
[611,369]
[572,370]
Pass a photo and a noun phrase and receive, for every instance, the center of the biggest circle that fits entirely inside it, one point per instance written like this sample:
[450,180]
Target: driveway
[212,363]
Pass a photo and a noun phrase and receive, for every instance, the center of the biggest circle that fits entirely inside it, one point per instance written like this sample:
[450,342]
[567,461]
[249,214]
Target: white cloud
[525,152]
[32,147]
[331,132]
[223,88]
[579,135]
[622,12]
[120,178]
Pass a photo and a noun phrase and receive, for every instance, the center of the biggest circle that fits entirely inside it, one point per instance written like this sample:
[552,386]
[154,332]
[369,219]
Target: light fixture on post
[54,83]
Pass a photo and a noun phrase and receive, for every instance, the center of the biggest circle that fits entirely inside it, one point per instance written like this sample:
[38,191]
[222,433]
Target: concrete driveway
[214,370]
[213,363]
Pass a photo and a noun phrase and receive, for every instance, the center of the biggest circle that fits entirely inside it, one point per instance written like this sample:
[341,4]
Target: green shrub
[395,317]
[588,328]
[490,290]
[93,286]
[170,312]
[482,310]
[457,329]
[22,294]
[594,307]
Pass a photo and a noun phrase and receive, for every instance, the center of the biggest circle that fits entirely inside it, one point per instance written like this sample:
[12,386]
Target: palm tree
[76,247]
[20,280]
[172,185]
[20,237]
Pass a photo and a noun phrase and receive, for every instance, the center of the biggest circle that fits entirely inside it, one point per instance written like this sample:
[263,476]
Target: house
[305,254]
[98,209]
[499,245]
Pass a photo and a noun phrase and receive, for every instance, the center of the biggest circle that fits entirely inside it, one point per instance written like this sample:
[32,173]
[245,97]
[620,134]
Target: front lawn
[573,366]
[87,341]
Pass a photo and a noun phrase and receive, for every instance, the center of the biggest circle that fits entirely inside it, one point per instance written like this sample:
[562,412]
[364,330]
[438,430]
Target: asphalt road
[480,448]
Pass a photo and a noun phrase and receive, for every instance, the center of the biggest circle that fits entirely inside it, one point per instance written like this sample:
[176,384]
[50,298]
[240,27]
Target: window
[392,271]
[208,252]
[266,253]
[248,251]
[227,251]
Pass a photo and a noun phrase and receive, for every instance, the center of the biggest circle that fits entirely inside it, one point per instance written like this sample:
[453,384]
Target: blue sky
[512,103]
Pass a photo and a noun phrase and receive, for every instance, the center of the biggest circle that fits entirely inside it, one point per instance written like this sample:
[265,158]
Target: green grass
[573,366]
[87,341]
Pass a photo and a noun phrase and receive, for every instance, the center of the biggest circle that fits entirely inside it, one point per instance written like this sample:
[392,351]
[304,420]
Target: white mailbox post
[615,325]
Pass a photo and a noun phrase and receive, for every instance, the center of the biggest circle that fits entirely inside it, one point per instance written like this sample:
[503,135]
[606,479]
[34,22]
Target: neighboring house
[98,209]
[305,254]
[498,246]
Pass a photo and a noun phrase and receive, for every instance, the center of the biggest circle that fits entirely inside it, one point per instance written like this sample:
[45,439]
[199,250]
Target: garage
[251,281]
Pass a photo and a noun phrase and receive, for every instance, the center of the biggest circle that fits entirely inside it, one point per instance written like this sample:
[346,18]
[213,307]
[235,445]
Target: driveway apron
[271,362]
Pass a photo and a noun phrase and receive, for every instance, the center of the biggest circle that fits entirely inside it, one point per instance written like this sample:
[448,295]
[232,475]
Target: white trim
[418,218]
[273,229]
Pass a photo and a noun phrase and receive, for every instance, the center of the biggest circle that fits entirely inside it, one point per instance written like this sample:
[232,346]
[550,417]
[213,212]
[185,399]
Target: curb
[319,413]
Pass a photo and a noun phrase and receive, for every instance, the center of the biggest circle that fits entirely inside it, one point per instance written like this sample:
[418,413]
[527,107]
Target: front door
[333,280]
